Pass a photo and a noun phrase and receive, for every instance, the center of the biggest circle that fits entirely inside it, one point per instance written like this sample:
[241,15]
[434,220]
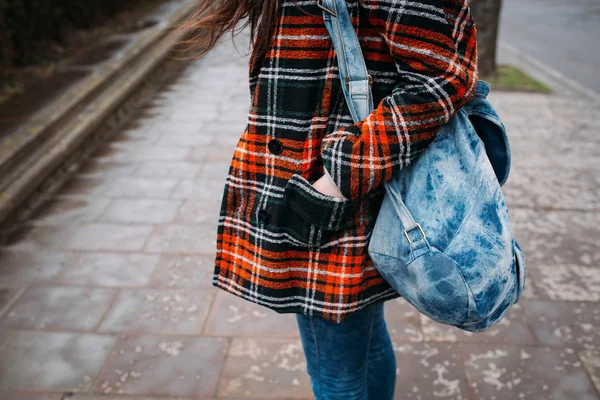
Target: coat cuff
[336,151]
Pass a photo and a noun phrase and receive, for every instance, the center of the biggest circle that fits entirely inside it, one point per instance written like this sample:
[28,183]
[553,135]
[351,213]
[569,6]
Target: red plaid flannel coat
[281,243]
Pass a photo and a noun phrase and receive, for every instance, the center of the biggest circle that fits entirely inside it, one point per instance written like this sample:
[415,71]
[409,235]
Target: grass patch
[513,79]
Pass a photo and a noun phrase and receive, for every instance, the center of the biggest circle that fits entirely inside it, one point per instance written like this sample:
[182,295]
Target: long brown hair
[212,19]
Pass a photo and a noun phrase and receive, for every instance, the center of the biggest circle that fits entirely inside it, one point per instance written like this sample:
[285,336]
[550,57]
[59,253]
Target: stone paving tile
[159,311]
[530,292]
[125,397]
[169,169]
[134,187]
[513,329]
[576,110]
[591,362]
[589,133]
[430,370]
[527,373]
[92,397]
[565,282]
[227,126]
[265,368]
[143,211]
[520,132]
[572,324]
[184,140]
[109,269]
[557,237]
[212,153]
[285,398]
[4,336]
[7,297]
[229,140]
[71,211]
[180,271]
[544,134]
[184,116]
[43,238]
[31,396]
[163,366]
[166,128]
[536,187]
[199,212]
[58,308]
[557,153]
[234,316]
[216,170]
[403,321]
[137,154]
[102,236]
[107,171]
[146,121]
[544,157]
[21,268]
[199,189]
[38,361]
[183,238]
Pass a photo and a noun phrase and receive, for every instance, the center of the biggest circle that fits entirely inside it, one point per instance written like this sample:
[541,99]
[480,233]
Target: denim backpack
[443,237]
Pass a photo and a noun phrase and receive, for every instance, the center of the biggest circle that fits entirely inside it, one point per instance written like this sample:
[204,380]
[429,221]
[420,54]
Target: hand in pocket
[326,186]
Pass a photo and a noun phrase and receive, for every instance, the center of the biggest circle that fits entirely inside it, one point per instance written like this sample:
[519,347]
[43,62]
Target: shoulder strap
[355,79]
[356,84]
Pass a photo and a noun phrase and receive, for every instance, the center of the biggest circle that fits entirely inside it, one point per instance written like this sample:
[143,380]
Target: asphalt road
[564,34]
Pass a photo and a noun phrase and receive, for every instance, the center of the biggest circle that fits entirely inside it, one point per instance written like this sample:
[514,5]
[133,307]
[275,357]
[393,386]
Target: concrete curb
[37,149]
[539,70]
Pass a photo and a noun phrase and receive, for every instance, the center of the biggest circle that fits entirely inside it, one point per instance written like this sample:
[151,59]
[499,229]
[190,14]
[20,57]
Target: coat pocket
[311,216]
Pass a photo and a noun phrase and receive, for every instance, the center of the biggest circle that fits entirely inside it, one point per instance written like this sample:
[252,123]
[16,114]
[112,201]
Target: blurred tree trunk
[487,18]
[6,50]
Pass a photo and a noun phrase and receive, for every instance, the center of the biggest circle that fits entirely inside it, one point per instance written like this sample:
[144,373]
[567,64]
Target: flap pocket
[316,219]
[316,208]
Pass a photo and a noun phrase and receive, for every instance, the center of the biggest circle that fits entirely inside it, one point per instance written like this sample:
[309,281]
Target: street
[109,294]
[565,35]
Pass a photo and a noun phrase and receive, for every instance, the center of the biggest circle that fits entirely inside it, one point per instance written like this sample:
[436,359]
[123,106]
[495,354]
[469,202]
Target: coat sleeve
[433,46]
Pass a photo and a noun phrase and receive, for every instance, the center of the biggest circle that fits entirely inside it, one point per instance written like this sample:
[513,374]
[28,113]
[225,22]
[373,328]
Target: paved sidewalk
[109,295]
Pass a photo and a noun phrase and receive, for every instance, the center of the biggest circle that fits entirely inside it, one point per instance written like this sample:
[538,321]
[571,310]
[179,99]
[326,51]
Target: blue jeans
[352,360]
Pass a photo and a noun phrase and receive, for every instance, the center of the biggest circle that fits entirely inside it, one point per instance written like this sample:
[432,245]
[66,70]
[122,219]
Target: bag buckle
[348,81]
[322,7]
[412,229]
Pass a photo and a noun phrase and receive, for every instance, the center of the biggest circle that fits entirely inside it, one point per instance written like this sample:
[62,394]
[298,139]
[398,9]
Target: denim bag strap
[356,84]
[356,81]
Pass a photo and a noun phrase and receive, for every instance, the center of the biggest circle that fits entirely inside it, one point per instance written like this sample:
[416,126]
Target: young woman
[306,182]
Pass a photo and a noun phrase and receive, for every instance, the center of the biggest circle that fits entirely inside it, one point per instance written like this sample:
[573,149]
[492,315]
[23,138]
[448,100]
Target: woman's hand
[326,186]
